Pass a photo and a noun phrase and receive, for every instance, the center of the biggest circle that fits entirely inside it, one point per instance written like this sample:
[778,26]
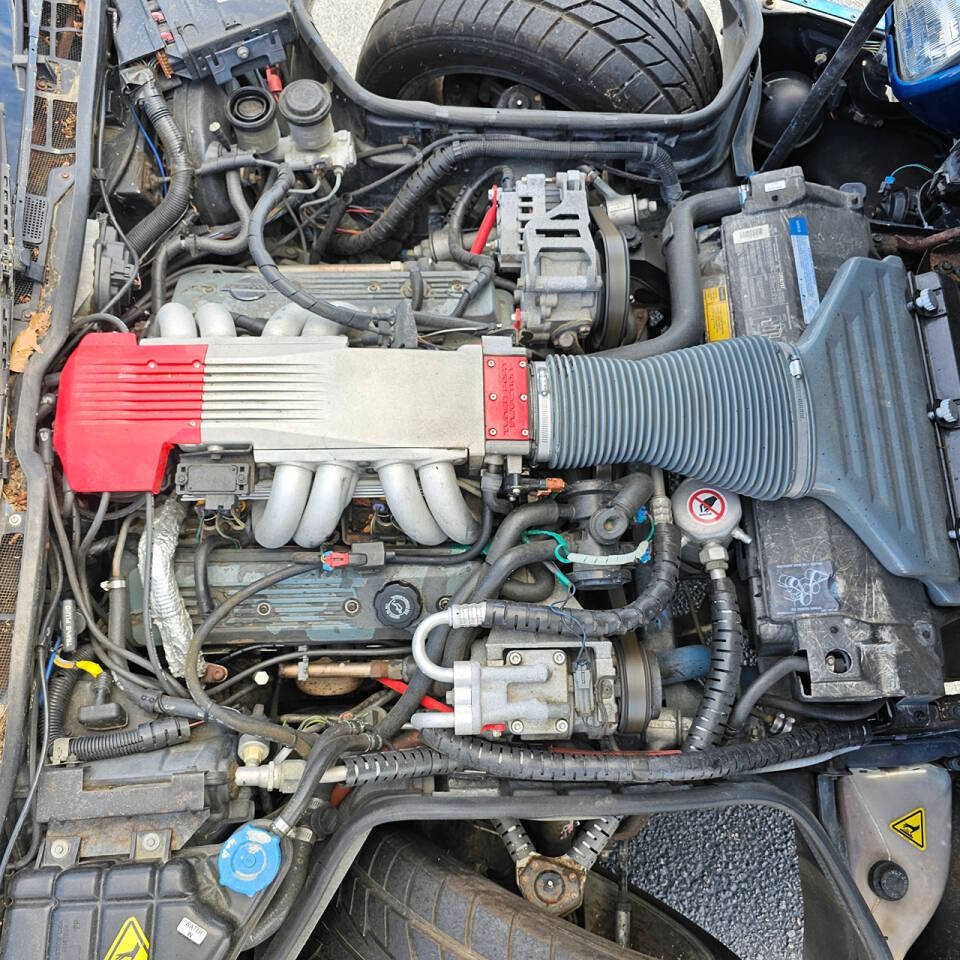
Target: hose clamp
[543,414]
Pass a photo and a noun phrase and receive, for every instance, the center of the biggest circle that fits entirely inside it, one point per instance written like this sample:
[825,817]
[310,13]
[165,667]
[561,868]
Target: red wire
[486,225]
[431,703]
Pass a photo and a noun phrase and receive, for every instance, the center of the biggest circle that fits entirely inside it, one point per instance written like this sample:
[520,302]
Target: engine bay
[407,459]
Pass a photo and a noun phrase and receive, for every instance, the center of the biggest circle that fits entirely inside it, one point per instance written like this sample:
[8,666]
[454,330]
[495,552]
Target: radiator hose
[168,213]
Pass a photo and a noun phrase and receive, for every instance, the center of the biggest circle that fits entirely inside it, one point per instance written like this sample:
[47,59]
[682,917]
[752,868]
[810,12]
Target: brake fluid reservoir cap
[249,860]
[704,514]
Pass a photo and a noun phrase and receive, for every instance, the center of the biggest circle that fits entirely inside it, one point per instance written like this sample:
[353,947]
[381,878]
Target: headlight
[927,34]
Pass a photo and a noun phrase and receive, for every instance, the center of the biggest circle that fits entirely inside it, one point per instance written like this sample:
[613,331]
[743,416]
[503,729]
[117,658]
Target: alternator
[543,230]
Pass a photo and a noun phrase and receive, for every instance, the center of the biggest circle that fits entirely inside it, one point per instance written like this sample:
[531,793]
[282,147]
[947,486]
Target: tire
[644,56]
[405,899]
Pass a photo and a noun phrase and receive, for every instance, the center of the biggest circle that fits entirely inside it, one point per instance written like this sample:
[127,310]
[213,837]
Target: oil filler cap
[397,604]
[249,860]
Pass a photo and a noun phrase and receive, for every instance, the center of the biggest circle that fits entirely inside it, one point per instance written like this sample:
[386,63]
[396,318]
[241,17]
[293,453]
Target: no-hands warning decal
[131,943]
[707,505]
[912,826]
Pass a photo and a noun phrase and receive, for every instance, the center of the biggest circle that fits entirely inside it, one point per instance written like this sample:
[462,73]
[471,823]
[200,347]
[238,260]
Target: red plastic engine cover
[122,406]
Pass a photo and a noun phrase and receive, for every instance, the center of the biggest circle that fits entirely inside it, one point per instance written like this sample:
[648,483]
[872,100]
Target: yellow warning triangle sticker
[912,826]
[131,943]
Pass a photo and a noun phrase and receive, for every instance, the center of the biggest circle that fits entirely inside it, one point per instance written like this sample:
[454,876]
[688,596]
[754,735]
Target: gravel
[733,872]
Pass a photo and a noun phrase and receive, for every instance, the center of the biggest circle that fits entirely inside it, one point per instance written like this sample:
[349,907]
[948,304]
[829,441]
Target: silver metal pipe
[215,320]
[333,486]
[276,520]
[407,504]
[446,503]
[287,321]
[175,320]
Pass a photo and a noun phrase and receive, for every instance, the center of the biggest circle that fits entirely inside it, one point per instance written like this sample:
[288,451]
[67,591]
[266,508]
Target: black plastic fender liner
[366,809]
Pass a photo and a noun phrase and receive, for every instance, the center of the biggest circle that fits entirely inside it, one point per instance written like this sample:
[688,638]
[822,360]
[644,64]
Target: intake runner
[840,416]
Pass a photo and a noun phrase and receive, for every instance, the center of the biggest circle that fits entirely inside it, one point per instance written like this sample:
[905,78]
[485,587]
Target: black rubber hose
[445,560]
[201,245]
[155,735]
[335,211]
[545,515]
[485,265]
[681,254]
[164,705]
[532,618]
[59,691]
[716,763]
[390,765]
[333,743]
[270,198]
[753,694]
[201,556]
[233,719]
[533,591]
[839,712]
[827,82]
[286,896]
[168,213]
[726,659]
[505,556]
[420,684]
[610,523]
[440,167]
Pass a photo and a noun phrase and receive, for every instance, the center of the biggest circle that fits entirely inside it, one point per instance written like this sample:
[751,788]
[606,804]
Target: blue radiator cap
[249,860]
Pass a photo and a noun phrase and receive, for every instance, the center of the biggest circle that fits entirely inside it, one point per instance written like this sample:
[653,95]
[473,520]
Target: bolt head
[516,726]
[14,519]
[151,841]
[492,431]
[559,657]
[493,396]
[261,678]
[523,398]
[351,607]
[58,849]
[243,52]
[524,433]
[443,603]
[514,658]
[491,363]
[562,726]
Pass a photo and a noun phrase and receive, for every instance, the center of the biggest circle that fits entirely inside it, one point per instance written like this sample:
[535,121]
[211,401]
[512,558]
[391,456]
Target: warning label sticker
[912,826]
[716,311]
[707,505]
[131,943]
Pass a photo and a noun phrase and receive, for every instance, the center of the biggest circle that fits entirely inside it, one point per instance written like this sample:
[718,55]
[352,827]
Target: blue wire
[153,149]
[49,670]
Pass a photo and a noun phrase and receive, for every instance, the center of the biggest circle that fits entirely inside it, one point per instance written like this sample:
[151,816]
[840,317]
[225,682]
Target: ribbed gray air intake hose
[174,205]
[727,413]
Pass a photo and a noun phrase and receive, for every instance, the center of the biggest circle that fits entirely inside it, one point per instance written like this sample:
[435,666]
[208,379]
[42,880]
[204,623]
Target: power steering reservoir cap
[397,604]
[249,860]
